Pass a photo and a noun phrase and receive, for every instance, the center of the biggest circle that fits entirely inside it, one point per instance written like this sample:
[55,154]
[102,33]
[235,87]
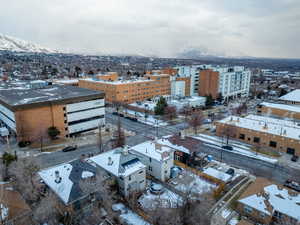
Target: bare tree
[23,172]
[45,211]
[196,120]
[229,132]
[119,136]
[186,111]
[170,112]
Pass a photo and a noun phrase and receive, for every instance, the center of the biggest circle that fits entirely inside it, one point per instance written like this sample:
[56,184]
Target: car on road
[115,113]
[294,158]
[69,148]
[227,147]
[292,184]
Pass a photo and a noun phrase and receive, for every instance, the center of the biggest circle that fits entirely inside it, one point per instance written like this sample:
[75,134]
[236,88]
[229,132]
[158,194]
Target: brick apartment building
[129,91]
[229,81]
[277,134]
[29,112]
[279,110]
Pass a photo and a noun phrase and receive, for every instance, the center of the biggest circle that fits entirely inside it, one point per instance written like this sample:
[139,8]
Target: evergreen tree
[209,100]
[160,106]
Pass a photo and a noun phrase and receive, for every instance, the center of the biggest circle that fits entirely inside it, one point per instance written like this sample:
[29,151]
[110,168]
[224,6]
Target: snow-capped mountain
[196,52]
[8,43]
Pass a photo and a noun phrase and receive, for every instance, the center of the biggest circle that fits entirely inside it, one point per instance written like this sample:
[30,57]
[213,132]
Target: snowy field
[127,216]
[192,184]
[167,199]
[150,120]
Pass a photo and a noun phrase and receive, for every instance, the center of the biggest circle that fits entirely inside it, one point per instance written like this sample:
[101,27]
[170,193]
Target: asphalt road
[145,132]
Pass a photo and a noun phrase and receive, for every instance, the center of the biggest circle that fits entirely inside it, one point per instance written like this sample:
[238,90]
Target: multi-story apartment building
[228,81]
[129,91]
[29,112]
[158,158]
[265,202]
[279,110]
[212,80]
[278,134]
[191,72]
[129,171]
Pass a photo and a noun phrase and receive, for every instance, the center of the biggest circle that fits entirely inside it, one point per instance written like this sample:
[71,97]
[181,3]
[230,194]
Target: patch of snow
[127,216]
[4,212]
[167,199]
[86,174]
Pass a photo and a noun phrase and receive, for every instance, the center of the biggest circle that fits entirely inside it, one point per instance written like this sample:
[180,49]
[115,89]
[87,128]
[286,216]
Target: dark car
[115,113]
[230,171]
[294,158]
[69,148]
[227,147]
[292,184]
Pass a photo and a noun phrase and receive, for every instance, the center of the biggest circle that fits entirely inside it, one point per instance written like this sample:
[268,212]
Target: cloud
[154,27]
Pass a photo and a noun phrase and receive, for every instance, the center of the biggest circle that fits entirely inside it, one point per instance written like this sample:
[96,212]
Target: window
[256,139]
[248,209]
[150,159]
[242,136]
[129,178]
[150,168]
[273,144]
[141,171]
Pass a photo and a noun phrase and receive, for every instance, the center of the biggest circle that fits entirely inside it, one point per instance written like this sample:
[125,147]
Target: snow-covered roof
[64,179]
[118,163]
[117,82]
[292,108]
[283,128]
[153,149]
[66,81]
[166,142]
[293,96]
[217,174]
[280,199]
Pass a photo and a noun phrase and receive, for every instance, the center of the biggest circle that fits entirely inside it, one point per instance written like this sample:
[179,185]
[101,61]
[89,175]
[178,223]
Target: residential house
[126,167]
[264,202]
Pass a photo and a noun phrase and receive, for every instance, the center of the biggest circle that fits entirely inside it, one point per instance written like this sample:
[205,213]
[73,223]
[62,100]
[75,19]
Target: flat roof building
[29,112]
[279,110]
[277,134]
[129,91]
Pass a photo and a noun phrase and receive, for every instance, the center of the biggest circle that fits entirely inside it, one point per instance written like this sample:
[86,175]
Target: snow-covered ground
[150,120]
[127,216]
[238,148]
[167,199]
[188,182]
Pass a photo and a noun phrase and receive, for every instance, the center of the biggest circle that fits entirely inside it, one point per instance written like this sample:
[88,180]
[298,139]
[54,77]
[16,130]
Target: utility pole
[100,137]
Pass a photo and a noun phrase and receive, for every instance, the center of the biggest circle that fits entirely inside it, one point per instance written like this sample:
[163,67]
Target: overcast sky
[263,28]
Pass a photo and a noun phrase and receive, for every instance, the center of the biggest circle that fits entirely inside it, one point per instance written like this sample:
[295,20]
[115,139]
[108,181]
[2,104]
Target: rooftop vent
[57,177]
[110,161]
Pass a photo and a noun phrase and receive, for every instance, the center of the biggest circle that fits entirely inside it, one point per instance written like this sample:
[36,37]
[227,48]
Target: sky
[260,28]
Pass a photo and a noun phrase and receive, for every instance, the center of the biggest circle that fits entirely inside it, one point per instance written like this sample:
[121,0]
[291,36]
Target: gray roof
[51,94]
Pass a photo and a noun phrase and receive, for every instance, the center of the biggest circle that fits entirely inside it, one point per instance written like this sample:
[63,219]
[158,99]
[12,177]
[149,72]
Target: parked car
[294,158]
[115,113]
[230,171]
[227,147]
[292,184]
[69,148]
